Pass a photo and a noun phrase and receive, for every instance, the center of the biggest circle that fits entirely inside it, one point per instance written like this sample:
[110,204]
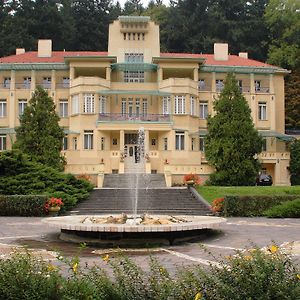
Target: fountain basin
[73,230]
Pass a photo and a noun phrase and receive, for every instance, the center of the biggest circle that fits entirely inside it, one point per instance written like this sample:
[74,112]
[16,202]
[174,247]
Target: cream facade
[104,98]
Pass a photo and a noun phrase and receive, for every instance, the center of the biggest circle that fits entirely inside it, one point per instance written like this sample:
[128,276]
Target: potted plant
[53,206]
[191,179]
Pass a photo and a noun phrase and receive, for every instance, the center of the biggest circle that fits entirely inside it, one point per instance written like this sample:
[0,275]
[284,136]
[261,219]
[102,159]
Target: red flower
[217,204]
[192,177]
[53,202]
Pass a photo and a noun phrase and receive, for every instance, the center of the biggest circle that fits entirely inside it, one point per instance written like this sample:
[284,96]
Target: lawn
[209,193]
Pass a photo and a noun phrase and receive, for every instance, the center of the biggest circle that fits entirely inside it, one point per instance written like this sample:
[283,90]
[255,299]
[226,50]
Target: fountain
[119,230]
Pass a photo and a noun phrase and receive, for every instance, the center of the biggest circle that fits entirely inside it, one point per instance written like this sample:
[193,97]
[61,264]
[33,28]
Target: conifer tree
[295,163]
[232,141]
[39,134]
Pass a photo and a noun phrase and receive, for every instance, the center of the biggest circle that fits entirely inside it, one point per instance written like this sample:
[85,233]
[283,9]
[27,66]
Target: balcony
[134,118]
[90,81]
[262,90]
[5,86]
[245,89]
[269,156]
[23,86]
[62,85]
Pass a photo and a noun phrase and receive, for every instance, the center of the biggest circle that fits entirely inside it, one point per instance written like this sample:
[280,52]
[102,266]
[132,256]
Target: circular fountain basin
[74,229]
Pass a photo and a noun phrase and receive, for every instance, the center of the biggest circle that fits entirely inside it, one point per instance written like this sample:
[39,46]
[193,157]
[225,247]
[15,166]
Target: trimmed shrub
[22,205]
[250,206]
[21,176]
[289,209]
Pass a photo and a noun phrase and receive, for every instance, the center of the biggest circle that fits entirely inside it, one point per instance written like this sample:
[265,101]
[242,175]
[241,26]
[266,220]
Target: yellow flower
[162,271]
[198,296]
[106,258]
[273,249]
[229,257]
[247,257]
[298,276]
[51,268]
[75,267]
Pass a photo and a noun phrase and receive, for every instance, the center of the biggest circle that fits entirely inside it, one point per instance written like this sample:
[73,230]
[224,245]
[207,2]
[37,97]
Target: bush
[250,206]
[289,209]
[256,274]
[22,205]
[21,176]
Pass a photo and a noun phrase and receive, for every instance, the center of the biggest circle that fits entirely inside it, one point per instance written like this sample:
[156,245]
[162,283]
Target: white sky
[145,2]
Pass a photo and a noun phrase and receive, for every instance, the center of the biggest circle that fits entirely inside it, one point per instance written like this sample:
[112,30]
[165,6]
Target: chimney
[221,51]
[243,54]
[20,51]
[45,48]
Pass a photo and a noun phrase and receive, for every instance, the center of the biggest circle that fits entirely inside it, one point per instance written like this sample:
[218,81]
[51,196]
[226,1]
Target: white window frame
[66,82]
[88,140]
[203,110]
[75,143]
[27,82]
[134,76]
[75,104]
[202,144]
[192,106]
[262,111]
[65,143]
[47,82]
[3,108]
[179,105]
[63,108]
[166,109]
[179,140]
[124,107]
[3,141]
[219,85]
[22,105]
[6,82]
[89,103]
[102,104]
[145,107]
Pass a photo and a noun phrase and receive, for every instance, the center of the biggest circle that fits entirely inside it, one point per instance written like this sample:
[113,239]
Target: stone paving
[236,234]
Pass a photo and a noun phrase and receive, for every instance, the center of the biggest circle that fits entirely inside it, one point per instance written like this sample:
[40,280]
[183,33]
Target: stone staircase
[129,181]
[130,166]
[151,199]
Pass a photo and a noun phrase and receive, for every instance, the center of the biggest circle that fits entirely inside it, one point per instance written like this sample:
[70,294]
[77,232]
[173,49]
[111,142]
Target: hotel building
[105,98]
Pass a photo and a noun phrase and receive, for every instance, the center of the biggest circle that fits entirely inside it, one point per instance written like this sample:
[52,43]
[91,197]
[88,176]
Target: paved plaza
[236,234]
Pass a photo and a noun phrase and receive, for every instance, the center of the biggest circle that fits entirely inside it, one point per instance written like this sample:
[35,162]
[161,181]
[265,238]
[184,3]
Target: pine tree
[39,134]
[295,163]
[232,141]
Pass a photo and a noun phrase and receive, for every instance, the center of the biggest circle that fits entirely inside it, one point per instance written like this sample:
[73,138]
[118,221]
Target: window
[179,140]
[115,141]
[166,105]
[137,107]
[88,143]
[75,104]
[74,143]
[193,111]
[63,108]
[179,105]
[2,142]
[203,110]
[262,111]
[201,84]
[6,82]
[145,107]
[219,85]
[27,82]
[65,143]
[102,104]
[66,82]
[257,85]
[88,103]
[47,82]
[134,76]
[134,57]
[153,142]
[264,145]
[201,144]
[22,106]
[193,144]
[3,108]
[102,146]
[165,144]
[123,106]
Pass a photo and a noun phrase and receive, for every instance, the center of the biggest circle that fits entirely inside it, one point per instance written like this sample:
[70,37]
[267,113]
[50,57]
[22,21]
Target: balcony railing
[262,89]
[23,86]
[204,88]
[245,89]
[4,85]
[62,85]
[44,85]
[111,117]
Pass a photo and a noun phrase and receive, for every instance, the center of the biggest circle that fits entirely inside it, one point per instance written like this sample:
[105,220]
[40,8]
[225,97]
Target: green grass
[211,192]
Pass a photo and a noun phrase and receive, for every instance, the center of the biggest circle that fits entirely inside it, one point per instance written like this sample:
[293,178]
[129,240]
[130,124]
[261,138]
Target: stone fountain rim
[194,223]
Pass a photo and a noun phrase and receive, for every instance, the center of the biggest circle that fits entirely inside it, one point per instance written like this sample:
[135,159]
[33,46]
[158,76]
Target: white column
[33,81]
[213,82]
[11,105]
[196,74]
[252,85]
[146,142]
[159,74]
[122,136]
[108,74]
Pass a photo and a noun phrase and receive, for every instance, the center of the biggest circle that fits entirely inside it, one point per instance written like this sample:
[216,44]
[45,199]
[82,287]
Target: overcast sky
[145,2]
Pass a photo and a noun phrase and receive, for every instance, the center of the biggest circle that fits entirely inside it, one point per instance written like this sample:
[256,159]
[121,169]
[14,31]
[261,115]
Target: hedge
[22,205]
[251,206]
[288,209]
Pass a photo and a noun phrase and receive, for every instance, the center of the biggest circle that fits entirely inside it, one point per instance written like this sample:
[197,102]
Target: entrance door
[131,151]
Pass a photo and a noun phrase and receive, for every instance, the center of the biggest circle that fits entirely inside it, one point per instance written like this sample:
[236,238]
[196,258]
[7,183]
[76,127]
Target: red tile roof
[233,60]
[58,57]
